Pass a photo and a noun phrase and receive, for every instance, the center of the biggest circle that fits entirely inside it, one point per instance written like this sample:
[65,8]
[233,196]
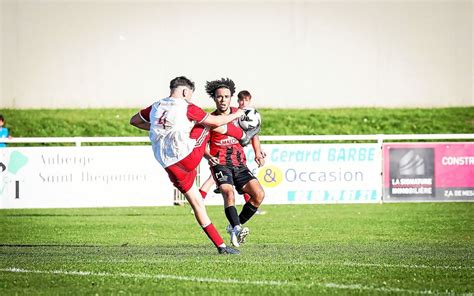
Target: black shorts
[237,176]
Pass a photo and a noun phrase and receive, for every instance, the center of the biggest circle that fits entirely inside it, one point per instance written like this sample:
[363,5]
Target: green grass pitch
[372,249]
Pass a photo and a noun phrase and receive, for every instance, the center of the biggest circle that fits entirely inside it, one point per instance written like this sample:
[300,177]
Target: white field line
[229,281]
[407,266]
[151,276]
[322,263]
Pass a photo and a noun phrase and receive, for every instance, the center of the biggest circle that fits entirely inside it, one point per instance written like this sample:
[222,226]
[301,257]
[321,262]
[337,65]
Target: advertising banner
[315,174]
[63,177]
[428,171]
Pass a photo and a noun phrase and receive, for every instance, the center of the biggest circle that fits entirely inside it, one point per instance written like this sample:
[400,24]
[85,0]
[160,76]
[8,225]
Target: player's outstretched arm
[137,121]
[214,121]
[259,153]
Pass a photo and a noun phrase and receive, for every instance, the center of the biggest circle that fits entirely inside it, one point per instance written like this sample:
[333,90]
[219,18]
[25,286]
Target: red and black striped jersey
[226,148]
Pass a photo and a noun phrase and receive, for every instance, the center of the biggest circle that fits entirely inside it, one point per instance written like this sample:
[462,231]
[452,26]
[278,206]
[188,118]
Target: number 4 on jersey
[162,119]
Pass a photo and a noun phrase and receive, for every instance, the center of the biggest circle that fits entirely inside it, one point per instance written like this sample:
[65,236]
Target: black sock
[231,214]
[247,212]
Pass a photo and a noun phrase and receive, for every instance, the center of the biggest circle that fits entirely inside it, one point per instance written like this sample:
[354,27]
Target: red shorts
[183,173]
[181,178]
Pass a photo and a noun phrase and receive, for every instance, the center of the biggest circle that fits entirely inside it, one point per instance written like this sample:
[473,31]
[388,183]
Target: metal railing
[380,138]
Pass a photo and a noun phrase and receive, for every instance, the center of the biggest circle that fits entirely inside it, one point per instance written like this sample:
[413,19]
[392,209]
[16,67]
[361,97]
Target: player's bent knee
[258,198]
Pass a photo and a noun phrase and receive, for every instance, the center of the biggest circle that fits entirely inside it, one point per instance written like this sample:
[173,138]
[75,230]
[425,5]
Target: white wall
[345,53]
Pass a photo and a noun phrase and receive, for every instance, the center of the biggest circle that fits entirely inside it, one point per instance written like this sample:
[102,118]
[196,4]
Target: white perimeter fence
[379,168]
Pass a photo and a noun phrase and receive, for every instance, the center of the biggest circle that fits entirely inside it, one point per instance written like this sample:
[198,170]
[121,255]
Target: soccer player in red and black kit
[230,168]
[179,136]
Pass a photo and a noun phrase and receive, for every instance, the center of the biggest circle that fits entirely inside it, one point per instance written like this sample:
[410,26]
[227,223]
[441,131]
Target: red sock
[246,197]
[213,235]
[203,193]
[234,131]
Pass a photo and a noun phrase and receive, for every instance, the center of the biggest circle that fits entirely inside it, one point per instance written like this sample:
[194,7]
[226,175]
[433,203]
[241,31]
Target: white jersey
[171,121]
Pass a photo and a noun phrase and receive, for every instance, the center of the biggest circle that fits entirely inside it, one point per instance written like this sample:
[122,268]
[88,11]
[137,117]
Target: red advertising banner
[428,171]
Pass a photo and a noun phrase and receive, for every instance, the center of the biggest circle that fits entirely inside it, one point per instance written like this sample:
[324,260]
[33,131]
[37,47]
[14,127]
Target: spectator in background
[4,133]
[244,99]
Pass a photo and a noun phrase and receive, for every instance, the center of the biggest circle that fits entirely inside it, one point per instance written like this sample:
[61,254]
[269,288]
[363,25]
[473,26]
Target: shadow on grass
[124,249]
[94,215]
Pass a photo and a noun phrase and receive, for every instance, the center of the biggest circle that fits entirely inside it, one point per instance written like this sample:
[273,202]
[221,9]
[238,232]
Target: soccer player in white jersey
[179,133]
[244,99]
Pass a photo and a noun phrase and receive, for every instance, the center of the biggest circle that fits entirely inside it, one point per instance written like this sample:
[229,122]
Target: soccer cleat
[228,229]
[260,212]
[248,135]
[243,235]
[217,190]
[237,234]
[227,250]
[234,239]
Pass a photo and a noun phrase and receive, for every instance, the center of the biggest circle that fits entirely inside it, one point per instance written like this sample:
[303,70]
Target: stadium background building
[289,54]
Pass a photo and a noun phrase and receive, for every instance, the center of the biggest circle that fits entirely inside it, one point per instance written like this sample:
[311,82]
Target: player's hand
[260,161]
[213,161]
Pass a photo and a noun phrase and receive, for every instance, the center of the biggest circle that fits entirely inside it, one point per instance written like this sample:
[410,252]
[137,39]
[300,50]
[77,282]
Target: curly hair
[212,86]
